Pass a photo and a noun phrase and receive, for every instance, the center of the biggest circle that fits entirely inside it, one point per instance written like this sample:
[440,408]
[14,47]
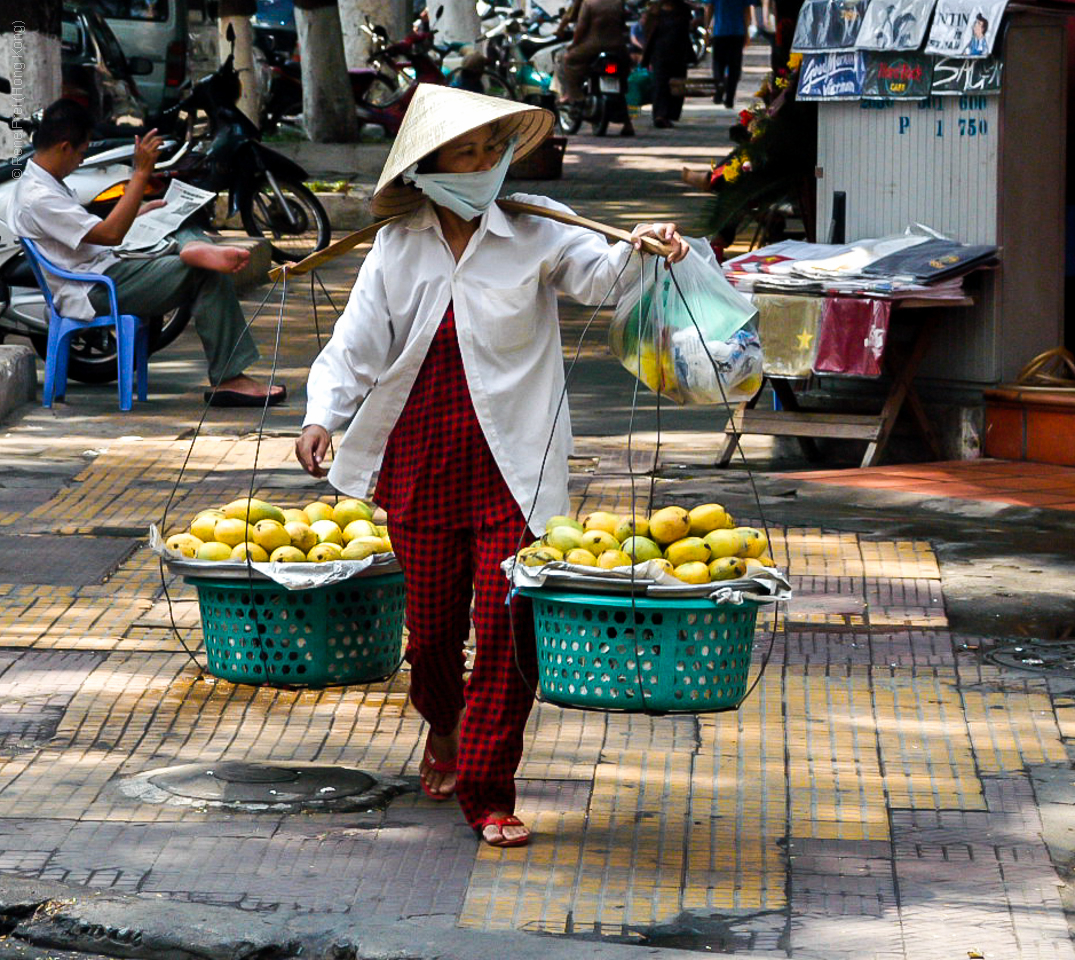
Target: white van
[156,30]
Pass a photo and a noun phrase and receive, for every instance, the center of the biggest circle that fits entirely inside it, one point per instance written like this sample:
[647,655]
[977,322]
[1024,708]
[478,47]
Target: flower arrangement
[776,144]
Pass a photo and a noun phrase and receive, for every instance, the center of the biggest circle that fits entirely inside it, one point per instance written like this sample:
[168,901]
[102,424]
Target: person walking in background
[599,25]
[727,23]
[668,53]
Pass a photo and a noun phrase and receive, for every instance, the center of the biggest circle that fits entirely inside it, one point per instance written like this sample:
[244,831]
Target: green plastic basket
[263,633]
[663,655]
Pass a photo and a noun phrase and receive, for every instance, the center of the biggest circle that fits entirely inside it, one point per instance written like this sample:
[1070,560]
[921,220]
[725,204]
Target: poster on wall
[894,24]
[897,76]
[825,25]
[832,76]
[955,77]
[965,28]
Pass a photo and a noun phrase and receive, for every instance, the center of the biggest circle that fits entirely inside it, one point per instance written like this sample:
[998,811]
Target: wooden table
[900,363]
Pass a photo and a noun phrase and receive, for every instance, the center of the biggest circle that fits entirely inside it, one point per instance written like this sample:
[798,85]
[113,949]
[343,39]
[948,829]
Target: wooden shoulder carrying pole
[352,240]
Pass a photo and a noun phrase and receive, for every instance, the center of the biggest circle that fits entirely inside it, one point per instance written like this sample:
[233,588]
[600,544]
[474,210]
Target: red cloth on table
[452,520]
[852,336]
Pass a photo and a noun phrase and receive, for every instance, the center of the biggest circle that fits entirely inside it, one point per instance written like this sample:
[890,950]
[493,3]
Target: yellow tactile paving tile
[129,484]
[134,708]
[734,857]
[1011,729]
[835,779]
[924,741]
[675,820]
[899,559]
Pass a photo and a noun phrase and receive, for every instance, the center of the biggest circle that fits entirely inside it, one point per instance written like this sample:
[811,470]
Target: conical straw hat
[437,115]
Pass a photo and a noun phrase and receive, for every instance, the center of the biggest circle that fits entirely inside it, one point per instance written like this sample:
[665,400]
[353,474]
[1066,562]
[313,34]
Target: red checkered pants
[452,521]
[439,568]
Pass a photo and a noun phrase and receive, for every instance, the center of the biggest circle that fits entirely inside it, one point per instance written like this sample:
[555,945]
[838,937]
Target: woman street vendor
[447,365]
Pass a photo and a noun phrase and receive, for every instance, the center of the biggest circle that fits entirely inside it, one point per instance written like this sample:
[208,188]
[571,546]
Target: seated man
[45,210]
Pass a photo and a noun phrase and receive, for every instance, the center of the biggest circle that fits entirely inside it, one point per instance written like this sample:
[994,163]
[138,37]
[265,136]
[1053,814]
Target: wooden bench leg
[790,402]
[903,371]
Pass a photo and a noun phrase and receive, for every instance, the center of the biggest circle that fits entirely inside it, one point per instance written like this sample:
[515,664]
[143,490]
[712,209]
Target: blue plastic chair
[132,335]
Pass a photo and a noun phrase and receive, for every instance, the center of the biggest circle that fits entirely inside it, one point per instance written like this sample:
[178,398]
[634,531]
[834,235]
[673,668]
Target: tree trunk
[390,14]
[30,61]
[458,21]
[328,106]
[237,14]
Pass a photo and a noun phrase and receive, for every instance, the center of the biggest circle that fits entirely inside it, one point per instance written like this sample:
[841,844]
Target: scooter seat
[529,45]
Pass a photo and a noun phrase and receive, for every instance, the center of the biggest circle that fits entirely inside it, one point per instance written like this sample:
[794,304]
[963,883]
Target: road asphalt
[897,785]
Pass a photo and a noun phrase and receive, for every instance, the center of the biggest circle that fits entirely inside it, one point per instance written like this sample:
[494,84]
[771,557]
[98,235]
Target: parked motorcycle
[383,92]
[92,356]
[265,189]
[606,95]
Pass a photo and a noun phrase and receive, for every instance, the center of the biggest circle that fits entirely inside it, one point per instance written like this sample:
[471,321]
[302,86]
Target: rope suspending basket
[634,638]
[645,635]
[325,607]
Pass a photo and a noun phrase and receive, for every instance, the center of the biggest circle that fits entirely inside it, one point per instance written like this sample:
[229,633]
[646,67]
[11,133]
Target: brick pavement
[871,799]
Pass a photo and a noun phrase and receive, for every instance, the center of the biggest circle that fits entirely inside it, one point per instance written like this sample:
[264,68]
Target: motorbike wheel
[571,117]
[263,217]
[92,358]
[601,117]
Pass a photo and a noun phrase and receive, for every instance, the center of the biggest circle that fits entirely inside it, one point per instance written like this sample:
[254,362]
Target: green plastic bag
[686,333]
[639,87]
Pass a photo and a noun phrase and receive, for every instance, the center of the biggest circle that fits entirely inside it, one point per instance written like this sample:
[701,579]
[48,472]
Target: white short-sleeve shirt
[46,210]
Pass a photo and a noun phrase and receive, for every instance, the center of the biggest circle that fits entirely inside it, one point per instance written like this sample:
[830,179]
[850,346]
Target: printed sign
[894,24]
[965,28]
[897,76]
[832,76]
[825,25]
[956,77]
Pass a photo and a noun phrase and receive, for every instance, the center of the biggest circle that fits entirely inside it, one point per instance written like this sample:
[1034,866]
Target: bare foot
[507,835]
[214,256]
[247,385]
[444,749]
[699,179]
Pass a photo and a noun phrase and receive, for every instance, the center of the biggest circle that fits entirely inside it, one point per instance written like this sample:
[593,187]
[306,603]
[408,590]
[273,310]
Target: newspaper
[150,234]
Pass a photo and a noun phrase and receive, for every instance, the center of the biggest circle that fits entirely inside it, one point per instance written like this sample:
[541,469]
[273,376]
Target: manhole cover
[86,560]
[253,773]
[260,783]
[1038,656]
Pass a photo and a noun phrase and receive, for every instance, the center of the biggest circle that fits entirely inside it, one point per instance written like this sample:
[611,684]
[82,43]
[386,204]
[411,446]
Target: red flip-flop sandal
[500,823]
[438,766]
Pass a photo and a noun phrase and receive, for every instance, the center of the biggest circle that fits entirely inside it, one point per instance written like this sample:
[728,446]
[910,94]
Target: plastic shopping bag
[687,333]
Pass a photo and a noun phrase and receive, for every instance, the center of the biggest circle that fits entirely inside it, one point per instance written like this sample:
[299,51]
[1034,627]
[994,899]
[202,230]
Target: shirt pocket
[510,314]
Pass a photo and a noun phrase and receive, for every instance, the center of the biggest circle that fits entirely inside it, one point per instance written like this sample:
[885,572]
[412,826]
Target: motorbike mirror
[5,85]
[439,13]
[381,32]
[229,34]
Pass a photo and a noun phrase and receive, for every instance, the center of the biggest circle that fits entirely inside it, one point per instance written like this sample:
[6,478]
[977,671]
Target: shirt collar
[36,170]
[494,220]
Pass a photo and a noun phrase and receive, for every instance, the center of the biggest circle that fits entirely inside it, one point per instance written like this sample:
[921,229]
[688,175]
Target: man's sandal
[437,766]
[500,823]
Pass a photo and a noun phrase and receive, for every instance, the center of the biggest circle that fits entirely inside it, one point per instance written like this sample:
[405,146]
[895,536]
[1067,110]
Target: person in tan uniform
[601,25]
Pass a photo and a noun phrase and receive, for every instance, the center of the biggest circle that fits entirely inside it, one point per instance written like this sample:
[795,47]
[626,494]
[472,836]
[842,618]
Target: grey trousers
[149,287]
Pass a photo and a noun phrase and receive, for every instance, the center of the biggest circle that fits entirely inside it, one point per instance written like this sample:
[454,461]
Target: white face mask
[467,194]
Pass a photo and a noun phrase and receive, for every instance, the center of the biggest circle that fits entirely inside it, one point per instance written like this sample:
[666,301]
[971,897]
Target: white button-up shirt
[46,210]
[503,290]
